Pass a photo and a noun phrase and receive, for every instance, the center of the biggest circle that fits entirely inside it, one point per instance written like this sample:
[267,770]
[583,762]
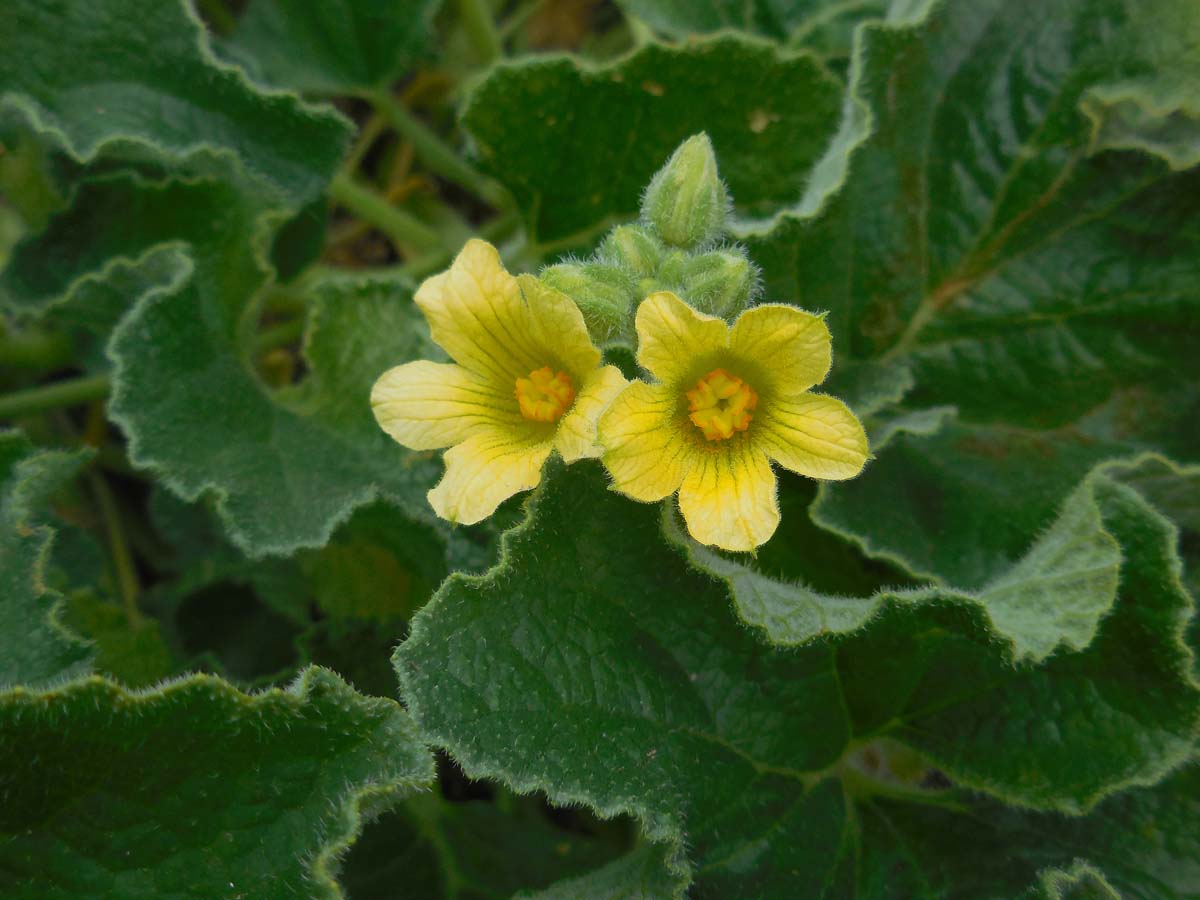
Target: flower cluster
[527,380]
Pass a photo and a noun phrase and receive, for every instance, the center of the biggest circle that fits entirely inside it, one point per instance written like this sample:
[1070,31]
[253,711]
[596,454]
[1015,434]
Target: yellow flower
[728,402]
[525,380]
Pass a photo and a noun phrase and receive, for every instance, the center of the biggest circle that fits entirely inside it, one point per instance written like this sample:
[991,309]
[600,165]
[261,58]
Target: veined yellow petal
[644,451]
[485,470]
[558,327]
[672,335]
[426,405]
[728,498]
[813,435]
[576,436]
[792,347]
[476,314]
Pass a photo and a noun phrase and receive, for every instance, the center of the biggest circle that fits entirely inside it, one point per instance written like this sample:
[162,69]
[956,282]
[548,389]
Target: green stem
[127,580]
[54,396]
[402,227]
[438,156]
[367,136]
[477,22]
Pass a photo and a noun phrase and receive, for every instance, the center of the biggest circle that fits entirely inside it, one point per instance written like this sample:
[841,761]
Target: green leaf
[657,703]
[132,653]
[965,226]
[80,73]
[35,648]
[576,145]
[195,790]
[1140,844]
[470,851]
[378,565]
[647,873]
[823,25]
[332,47]
[956,503]
[1174,491]
[1080,882]
[286,465]
[963,219]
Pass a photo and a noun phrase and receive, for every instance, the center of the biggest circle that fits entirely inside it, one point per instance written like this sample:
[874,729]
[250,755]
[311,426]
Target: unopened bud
[720,283]
[671,269]
[604,294]
[634,249]
[686,200]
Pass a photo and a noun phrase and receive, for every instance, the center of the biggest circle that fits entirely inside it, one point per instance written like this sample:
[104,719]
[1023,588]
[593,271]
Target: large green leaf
[286,465]
[330,47]
[287,468]
[576,145]
[965,225]
[135,79]
[194,790]
[35,648]
[962,218]
[636,690]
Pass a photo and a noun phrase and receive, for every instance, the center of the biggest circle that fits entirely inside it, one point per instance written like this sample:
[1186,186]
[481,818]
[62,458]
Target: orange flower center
[545,396]
[721,404]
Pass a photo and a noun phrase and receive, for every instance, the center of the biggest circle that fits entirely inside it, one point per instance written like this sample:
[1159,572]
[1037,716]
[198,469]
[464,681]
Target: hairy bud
[686,201]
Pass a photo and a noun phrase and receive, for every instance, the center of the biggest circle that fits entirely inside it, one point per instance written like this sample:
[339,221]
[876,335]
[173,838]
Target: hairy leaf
[823,25]
[544,127]
[655,702]
[330,48]
[965,227]
[194,790]
[135,79]
[35,648]
[286,465]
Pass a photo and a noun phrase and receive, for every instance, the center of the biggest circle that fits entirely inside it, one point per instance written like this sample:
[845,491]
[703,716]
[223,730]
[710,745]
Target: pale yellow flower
[728,401]
[526,380]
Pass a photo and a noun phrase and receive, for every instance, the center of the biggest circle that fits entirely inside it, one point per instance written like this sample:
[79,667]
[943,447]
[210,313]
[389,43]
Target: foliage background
[968,673]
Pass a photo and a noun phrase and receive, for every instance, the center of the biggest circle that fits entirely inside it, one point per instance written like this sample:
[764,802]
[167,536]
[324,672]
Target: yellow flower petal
[813,435]
[728,498]
[558,326]
[792,346]
[576,437]
[644,450]
[484,471]
[476,314]
[672,335]
[426,405]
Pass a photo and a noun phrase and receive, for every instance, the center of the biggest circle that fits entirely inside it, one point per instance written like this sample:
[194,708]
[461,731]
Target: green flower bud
[686,200]
[720,283]
[671,269]
[633,248]
[604,294]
